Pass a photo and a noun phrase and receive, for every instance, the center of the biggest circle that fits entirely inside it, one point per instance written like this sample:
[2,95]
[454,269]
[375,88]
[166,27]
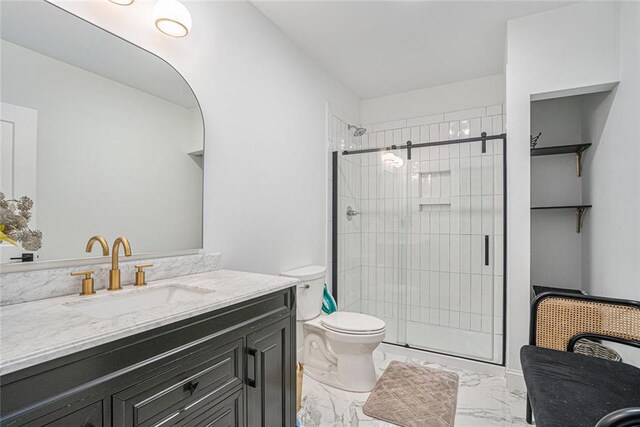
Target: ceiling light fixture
[172,18]
[122,2]
[388,157]
[392,159]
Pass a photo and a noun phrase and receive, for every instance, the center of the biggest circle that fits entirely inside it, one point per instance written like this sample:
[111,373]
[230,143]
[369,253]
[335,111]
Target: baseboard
[515,381]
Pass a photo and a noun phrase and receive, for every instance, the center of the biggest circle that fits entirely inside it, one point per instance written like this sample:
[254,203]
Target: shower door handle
[486,250]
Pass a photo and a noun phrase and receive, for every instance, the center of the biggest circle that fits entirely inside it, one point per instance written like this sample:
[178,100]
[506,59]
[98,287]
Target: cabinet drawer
[210,374]
[89,416]
[210,413]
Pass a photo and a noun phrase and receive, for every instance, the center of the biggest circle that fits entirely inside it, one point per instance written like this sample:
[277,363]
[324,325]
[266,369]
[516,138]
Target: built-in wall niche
[435,188]
[568,128]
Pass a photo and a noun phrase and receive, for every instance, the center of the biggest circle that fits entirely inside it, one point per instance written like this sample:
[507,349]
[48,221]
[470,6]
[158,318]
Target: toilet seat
[353,323]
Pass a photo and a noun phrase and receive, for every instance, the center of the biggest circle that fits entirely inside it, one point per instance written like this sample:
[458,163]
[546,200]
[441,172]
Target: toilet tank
[309,290]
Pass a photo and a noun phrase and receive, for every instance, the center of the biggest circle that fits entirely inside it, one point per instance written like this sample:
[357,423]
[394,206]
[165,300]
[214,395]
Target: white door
[18,149]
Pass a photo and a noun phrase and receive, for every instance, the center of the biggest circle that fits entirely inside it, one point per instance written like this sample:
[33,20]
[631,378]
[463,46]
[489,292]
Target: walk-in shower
[419,241]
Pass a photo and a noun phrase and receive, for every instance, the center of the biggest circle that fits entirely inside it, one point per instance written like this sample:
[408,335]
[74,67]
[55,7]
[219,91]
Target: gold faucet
[114,274]
[103,243]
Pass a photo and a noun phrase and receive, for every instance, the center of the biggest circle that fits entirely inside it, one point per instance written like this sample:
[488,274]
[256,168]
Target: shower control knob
[351,213]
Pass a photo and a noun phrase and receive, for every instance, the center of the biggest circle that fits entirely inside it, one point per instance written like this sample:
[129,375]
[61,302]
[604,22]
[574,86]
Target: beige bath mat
[414,396]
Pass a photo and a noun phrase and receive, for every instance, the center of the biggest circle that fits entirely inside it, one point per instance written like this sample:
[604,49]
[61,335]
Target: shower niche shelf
[435,190]
[580,209]
[576,149]
[427,204]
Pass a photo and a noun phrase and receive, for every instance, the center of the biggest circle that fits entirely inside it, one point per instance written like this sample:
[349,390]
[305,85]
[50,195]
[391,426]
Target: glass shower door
[372,240]
[455,249]
[420,244]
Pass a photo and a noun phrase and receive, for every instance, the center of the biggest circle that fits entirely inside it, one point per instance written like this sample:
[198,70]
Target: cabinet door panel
[269,366]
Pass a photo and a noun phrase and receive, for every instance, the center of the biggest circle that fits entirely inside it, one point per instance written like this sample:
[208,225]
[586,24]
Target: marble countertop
[38,331]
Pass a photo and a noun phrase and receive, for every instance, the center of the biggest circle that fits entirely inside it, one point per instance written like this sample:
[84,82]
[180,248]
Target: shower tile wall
[448,287]
[384,239]
[350,235]
[349,232]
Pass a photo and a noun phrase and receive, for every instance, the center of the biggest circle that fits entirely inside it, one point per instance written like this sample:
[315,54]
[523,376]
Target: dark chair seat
[568,389]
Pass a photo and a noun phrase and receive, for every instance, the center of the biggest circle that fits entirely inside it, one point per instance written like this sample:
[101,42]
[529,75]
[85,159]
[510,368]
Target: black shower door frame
[409,146]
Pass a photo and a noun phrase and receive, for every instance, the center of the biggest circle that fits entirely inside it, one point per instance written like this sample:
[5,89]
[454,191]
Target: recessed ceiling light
[172,18]
[122,2]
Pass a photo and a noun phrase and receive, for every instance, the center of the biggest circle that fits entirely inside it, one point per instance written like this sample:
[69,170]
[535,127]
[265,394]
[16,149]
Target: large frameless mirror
[98,136]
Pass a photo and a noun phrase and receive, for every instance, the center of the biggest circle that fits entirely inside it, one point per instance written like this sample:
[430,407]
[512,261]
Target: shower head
[356,130]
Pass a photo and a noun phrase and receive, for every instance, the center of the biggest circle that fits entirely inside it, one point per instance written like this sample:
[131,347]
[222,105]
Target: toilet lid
[353,323]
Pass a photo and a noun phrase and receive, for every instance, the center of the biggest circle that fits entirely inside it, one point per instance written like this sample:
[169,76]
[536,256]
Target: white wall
[611,233]
[111,159]
[264,103]
[574,46]
[456,96]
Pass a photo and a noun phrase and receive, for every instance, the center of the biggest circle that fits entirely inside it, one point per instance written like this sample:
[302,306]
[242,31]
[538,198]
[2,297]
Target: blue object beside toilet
[328,303]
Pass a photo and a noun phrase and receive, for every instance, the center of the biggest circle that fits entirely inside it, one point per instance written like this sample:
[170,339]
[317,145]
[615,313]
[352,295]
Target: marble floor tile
[483,400]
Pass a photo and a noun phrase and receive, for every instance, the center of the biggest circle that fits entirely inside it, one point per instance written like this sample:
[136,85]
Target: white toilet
[337,348]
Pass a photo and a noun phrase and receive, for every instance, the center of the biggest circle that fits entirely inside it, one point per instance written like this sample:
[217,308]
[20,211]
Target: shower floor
[478,345]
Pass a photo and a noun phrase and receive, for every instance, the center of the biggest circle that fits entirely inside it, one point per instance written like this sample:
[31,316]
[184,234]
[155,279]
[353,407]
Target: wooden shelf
[580,209]
[576,149]
[559,149]
[562,207]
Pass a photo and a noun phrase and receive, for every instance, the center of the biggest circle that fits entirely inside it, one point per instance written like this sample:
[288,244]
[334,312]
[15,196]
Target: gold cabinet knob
[140,279]
[87,282]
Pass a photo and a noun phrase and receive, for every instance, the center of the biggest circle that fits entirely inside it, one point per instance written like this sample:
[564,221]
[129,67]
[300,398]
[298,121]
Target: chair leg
[529,412]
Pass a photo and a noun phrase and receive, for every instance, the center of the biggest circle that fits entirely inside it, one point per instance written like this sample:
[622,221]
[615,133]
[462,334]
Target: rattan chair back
[559,319]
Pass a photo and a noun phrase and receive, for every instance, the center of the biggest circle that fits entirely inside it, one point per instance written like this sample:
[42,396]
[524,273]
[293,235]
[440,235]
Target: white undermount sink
[117,303]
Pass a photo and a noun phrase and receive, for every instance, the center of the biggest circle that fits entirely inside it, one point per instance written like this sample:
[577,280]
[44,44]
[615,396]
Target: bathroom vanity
[225,357]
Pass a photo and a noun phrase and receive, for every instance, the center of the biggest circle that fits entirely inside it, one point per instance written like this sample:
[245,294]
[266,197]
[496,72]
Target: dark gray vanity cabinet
[231,367]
